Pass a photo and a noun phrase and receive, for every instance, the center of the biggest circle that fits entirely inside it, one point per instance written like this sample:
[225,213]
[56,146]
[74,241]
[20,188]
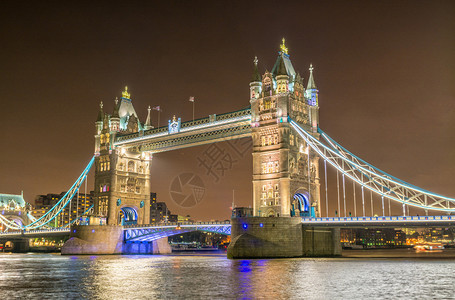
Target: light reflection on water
[215,277]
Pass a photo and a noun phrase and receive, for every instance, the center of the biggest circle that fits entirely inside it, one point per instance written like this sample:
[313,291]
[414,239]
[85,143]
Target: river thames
[383,274]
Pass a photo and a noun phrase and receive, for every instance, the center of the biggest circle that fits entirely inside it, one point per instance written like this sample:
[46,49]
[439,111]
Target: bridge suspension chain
[372,178]
[55,210]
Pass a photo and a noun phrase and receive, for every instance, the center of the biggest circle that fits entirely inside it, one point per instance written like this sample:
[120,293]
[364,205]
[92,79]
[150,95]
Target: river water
[370,274]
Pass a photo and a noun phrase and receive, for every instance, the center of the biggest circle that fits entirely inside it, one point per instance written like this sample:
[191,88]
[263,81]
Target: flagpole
[159,113]
[193,110]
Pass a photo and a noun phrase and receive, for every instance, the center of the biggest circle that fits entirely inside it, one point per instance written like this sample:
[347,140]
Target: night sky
[385,71]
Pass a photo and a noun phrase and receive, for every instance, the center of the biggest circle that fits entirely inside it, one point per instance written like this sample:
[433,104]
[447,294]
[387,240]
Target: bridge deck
[383,221]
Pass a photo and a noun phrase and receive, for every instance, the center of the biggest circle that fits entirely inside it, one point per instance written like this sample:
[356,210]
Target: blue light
[245,226]
[74,231]
[261,225]
[93,230]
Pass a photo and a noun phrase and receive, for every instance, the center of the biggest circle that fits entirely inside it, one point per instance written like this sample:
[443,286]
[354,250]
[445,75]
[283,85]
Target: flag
[157,108]
[191,99]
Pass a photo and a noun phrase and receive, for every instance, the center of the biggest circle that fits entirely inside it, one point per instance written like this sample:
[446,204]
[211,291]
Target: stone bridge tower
[122,175]
[285,170]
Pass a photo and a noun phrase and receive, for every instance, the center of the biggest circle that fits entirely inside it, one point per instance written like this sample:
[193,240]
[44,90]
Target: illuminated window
[263,140]
[131,166]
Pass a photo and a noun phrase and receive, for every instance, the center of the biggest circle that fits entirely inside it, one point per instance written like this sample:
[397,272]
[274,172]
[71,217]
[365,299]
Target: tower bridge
[290,158]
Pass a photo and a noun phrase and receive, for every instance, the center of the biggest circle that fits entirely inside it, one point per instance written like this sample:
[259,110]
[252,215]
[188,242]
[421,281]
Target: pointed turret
[256,75]
[311,98]
[255,84]
[148,124]
[281,67]
[101,113]
[281,72]
[98,128]
[311,85]
[115,118]
[116,106]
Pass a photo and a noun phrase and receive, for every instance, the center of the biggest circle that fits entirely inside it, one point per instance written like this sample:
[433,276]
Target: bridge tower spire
[285,170]
[255,84]
[311,96]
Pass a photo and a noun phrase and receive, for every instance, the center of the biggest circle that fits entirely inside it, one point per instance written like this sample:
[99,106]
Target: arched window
[131,166]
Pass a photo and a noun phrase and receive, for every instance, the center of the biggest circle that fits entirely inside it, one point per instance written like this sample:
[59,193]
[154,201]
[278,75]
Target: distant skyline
[385,72]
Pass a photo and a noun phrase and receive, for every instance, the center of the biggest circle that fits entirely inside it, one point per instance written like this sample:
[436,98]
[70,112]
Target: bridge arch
[301,205]
[127,216]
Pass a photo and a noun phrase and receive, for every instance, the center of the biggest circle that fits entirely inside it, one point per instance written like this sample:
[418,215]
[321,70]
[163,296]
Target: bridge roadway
[381,222]
[134,233]
[36,233]
[143,233]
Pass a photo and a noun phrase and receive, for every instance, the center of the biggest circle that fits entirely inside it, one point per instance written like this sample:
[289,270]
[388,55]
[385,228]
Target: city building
[159,212]
[78,206]
[373,238]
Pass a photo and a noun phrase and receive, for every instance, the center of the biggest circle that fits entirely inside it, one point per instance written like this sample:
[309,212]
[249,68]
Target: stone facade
[285,169]
[262,237]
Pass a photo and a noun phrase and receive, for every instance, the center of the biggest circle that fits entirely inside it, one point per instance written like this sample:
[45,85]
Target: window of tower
[263,140]
[131,166]
[264,168]
[276,166]
[269,140]
[275,139]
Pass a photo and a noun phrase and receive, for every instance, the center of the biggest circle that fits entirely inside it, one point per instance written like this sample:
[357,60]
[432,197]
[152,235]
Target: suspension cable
[326,197]
[338,194]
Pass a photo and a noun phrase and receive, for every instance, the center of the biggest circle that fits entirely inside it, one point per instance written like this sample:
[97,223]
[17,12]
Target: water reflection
[215,277]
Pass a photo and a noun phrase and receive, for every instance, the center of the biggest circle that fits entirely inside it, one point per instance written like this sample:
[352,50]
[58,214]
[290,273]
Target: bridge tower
[122,174]
[285,170]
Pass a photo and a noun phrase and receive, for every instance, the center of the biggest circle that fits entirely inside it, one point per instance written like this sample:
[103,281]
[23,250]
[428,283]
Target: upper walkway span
[214,128]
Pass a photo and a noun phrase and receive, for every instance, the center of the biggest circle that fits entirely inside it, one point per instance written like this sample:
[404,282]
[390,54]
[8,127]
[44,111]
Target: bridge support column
[262,237]
[94,239]
[21,245]
[160,246]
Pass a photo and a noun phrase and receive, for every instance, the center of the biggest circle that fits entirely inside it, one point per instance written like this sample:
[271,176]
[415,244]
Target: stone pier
[279,237]
[107,239]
